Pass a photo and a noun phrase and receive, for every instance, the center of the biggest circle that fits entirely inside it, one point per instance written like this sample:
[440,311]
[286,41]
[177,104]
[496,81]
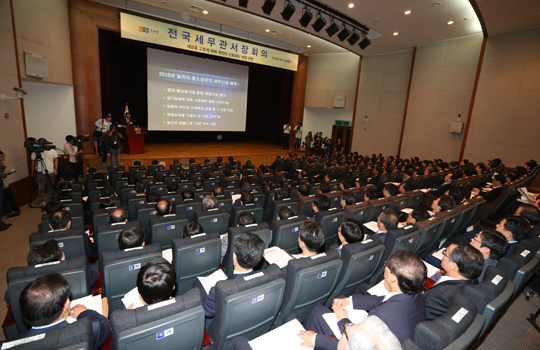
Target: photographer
[45,176]
[112,141]
[309,140]
[102,127]
[297,137]
[9,201]
[70,149]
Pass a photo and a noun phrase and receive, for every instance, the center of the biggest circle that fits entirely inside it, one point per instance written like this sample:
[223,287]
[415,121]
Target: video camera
[38,146]
[80,140]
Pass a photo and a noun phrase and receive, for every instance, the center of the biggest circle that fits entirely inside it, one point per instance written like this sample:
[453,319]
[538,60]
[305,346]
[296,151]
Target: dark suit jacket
[124,121]
[487,263]
[210,301]
[375,179]
[101,327]
[441,190]
[491,195]
[511,247]
[401,313]
[439,296]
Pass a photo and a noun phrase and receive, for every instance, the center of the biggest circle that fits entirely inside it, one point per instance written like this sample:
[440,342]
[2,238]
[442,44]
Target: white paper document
[167,255]
[278,256]
[525,193]
[283,337]
[356,316]
[439,254]
[424,190]
[210,281]
[407,210]
[372,225]
[91,302]
[132,297]
[379,289]
[431,270]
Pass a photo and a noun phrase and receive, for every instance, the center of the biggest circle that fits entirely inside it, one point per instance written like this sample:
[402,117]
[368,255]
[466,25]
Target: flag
[126,110]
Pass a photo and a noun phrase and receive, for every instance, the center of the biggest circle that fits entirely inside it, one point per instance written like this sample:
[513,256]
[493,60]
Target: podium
[134,140]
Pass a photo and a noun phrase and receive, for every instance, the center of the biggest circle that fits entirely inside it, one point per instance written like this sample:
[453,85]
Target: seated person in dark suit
[368,335]
[131,237]
[245,198]
[390,190]
[187,194]
[244,187]
[60,224]
[443,203]
[245,218]
[248,252]
[376,176]
[348,198]
[163,208]
[492,246]
[311,238]
[445,186]
[387,220]
[490,196]
[401,310]
[320,203]
[155,282]
[349,232]
[463,264]
[371,193]
[418,214]
[51,207]
[172,188]
[45,302]
[192,228]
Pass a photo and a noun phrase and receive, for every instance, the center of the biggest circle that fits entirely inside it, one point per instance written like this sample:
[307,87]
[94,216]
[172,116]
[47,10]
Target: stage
[257,152]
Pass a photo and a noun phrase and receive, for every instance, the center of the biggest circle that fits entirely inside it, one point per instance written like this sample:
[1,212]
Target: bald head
[163,207]
[117,215]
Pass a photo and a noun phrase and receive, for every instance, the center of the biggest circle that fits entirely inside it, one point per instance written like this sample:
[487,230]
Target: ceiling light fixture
[351,5]
[344,34]
[309,46]
[396,33]
[243,3]
[307,16]
[450,22]
[288,10]
[364,43]
[319,23]
[333,29]
[205,12]
[267,30]
[407,12]
[268,6]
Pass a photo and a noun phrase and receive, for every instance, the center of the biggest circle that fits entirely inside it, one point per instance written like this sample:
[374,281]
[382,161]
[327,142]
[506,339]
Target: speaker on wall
[36,65]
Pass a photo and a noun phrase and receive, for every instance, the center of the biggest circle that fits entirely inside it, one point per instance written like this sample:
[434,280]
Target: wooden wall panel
[298,95]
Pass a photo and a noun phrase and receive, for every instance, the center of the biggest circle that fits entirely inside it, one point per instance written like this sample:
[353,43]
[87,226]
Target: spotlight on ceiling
[243,3]
[333,29]
[319,23]
[364,43]
[307,16]
[268,6]
[288,10]
[344,34]
[353,38]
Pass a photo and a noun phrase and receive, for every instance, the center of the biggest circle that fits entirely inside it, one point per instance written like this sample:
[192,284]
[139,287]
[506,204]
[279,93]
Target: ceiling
[426,23]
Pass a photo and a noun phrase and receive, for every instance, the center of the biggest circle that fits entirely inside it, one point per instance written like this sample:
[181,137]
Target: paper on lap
[407,210]
[283,337]
[132,297]
[372,225]
[167,255]
[379,289]
[91,302]
[356,316]
[210,281]
[431,270]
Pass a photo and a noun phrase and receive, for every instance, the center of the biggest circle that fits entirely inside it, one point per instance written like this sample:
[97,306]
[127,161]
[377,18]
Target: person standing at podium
[127,121]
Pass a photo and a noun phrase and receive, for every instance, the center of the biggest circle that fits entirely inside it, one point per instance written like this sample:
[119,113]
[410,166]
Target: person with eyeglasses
[462,264]
[401,309]
[492,246]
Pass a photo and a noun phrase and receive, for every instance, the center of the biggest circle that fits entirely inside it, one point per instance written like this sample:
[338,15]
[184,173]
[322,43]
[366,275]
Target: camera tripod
[39,162]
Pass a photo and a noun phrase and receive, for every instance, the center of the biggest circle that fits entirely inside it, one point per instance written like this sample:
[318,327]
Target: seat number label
[165,333]
[321,274]
[134,267]
[200,250]
[171,227]
[257,299]
[213,220]
[295,229]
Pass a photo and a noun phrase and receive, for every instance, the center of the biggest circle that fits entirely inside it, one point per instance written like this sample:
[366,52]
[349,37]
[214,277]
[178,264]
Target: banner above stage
[156,32]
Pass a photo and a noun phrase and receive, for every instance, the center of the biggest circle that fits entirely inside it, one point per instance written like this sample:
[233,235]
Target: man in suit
[348,233]
[401,310]
[445,186]
[45,302]
[248,252]
[491,196]
[463,264]
[127,121]
[376,176]
[492,246]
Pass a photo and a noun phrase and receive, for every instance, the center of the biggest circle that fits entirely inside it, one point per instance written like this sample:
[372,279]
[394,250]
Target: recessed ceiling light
[450,22]
[377,20]
[436,4]
[267,30]
[351,5]
[205,12]
[309,46]
[407,12]
[164,2]
[396,33]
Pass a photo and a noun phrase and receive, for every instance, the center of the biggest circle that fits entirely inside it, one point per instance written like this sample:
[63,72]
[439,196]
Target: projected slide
[195,94]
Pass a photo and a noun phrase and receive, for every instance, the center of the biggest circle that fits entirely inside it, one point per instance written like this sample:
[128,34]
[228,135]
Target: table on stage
[134,139]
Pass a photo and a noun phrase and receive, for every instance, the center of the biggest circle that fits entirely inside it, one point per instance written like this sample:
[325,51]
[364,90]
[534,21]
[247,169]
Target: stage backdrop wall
[124,79]
[50,112]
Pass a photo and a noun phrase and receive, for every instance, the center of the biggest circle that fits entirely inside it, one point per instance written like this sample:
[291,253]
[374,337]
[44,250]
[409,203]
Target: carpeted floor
[512,331]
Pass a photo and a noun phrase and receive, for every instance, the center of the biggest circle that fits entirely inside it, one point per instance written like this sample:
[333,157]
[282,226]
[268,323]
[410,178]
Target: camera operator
[70,149]
[112,141]
[102,127]
[45,177]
